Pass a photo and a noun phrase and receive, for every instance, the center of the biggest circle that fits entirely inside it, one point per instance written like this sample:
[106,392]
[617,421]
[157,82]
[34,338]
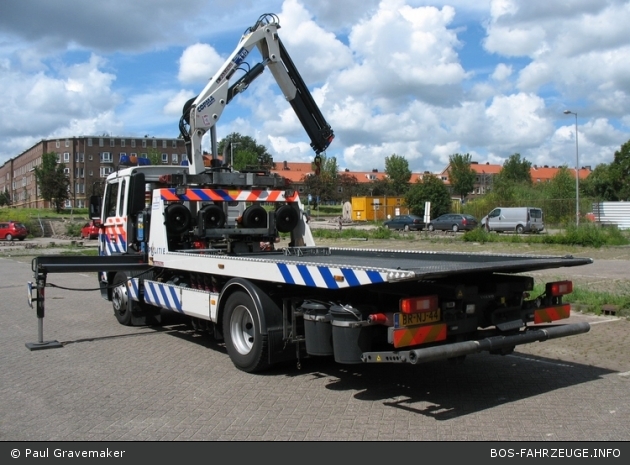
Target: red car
[91,229]
[10,230]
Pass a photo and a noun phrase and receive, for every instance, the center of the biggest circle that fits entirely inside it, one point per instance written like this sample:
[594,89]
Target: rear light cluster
[419,304]
[551,308]
[407,306]
[559,288]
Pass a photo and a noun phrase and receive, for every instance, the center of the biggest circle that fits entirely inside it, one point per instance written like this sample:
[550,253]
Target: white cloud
[502,72]
[390,76]
[517,121]
[420,57]
[198,63]
[317,53]
[49,102]
[175,103]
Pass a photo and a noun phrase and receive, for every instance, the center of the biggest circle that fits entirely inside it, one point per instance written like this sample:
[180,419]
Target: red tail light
[559,288]
[419,304]
[464,221]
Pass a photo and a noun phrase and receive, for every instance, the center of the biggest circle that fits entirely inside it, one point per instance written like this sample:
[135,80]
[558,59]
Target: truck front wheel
[244,341]
[120,299]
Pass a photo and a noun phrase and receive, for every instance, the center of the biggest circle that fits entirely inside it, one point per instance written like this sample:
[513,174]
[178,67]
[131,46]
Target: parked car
[10,230]
[517,219]
[405,223]
[453,222]
[91,229]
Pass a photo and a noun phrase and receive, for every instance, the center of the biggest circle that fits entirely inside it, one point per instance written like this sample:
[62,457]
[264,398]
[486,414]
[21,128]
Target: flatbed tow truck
[168,242]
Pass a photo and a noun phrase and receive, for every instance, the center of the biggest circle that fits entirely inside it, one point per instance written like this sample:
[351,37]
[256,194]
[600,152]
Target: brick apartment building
[87,159]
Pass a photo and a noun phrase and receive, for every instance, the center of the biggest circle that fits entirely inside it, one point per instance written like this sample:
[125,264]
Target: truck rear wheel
[120,299]
[244,341]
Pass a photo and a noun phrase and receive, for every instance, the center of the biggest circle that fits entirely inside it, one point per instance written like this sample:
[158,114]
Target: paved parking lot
[110,382]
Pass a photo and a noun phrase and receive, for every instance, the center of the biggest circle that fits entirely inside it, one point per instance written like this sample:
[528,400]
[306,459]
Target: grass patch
[74,229]
[79,251]
[587,235]
[349,233]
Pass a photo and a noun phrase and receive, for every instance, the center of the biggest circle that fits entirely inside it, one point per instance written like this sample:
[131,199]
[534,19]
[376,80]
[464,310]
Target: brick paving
[111,382]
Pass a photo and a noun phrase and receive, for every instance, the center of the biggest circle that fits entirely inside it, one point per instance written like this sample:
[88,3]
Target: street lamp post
[577,170]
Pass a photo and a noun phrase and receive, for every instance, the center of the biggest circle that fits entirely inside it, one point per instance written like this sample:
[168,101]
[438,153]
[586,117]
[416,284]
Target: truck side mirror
[95,206]
[136,193]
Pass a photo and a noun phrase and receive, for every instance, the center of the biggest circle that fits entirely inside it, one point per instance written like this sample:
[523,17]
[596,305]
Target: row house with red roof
[485,174]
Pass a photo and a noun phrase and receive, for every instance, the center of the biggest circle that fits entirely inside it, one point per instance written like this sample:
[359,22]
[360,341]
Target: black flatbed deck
[423,264]
[429,264]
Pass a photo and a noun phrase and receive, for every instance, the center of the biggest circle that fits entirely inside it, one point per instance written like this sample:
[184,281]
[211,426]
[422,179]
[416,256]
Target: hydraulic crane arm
[203,112]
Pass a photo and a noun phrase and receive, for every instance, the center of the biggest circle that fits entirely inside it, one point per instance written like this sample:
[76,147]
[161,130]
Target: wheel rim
[119,299]
[242,330]
[9,237]
[455,228]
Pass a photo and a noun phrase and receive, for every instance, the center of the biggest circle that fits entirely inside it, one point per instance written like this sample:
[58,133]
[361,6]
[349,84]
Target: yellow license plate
[403,320]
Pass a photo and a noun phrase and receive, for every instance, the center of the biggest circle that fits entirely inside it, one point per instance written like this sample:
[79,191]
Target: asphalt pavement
[111,382]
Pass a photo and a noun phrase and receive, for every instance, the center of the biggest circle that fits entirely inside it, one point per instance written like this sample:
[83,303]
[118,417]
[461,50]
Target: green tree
[461,175]
[52,181]
[347,186]
[154,156]
[515,172]
[397,169]
[620,172]
[600,184]
[429,189]
[380,187]
[5,198]
[562,185]
[329,168]
[324,186]
[247,153]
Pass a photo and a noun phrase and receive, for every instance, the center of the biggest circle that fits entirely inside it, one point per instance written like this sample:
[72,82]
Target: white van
[517,219]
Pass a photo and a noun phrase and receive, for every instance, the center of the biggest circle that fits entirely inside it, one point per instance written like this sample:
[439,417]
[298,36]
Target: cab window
[121,199]
[111,200]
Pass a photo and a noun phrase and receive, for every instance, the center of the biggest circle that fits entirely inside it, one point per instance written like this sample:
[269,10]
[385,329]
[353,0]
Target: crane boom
[203,112]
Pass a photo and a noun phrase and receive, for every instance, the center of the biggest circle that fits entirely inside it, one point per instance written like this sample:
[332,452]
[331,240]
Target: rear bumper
[499,344]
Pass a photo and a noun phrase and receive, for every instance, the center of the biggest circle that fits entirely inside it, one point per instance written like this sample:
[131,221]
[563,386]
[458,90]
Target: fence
[612,213]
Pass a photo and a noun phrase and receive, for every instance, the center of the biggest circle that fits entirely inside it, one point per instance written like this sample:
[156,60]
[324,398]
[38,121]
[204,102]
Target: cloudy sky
[420,79]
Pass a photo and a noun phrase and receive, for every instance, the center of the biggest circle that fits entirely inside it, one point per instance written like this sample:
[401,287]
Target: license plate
[403,320]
